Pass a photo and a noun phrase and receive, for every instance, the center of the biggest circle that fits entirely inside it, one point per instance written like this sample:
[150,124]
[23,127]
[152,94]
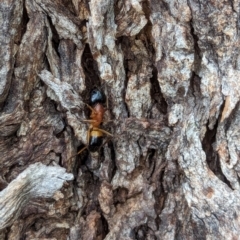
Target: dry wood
[170,70]
[37,181]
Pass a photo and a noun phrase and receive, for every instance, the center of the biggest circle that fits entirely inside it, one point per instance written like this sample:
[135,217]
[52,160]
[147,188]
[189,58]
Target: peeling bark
[36,181]
[170,71]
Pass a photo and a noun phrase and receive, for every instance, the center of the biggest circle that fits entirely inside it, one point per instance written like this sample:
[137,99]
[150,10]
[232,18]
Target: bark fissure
[170,71]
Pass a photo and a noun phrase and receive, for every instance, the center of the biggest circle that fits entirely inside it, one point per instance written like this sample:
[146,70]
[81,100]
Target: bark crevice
[170,72]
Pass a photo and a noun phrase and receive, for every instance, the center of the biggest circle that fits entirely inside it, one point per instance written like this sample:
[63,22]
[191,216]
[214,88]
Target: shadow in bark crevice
[91,186]
[197,50]
[160,196]
[143,232]
[55,36]
[212,157]
[120,195]
[150,162]
[23,26]
[91,72]
[194,87]
[105,228]
[125,45]
[113,159]
[146,36]
[156,92]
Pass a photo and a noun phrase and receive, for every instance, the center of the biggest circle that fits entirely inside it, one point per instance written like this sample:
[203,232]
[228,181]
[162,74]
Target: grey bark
[36,181]
[170,71]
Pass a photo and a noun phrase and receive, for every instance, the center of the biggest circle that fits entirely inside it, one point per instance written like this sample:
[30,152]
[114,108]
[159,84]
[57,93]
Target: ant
[95,134]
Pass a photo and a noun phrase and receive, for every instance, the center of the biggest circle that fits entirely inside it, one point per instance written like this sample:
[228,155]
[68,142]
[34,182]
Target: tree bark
[170,70]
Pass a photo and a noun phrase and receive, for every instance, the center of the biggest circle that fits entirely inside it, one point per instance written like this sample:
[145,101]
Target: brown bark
[170,70]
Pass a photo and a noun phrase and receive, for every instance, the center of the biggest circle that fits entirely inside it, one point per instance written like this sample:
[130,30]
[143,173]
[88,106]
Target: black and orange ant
[95,134]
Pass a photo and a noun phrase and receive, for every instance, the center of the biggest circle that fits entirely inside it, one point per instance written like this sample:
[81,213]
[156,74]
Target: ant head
[97,96]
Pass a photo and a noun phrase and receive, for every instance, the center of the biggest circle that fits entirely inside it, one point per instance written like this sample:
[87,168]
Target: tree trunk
[170,70]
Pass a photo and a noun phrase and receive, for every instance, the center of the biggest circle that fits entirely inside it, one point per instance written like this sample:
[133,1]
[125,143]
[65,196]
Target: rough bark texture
[170,70]
[36,181]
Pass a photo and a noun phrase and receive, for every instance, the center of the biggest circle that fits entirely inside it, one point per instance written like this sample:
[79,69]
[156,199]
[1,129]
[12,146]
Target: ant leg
[88,121]
[81,151]
[90,108]
[88,137]
[77,153]
[103,131]
[106,141]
